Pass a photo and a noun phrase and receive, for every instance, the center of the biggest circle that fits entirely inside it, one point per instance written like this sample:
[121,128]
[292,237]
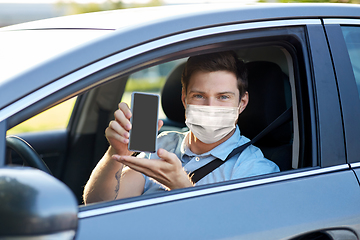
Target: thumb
[163,154]
[160,124]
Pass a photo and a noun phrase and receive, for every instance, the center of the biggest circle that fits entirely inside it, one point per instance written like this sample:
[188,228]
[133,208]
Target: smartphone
[144,121]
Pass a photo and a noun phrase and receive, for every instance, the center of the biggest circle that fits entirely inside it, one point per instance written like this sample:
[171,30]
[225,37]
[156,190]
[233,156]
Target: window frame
[348,93]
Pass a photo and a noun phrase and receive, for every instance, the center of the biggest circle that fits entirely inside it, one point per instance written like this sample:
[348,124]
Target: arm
[107,181]
[110,180]
[104,182]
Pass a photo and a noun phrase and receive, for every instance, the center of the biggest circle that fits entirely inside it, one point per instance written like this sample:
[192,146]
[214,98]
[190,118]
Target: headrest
[171,96]
[268,89]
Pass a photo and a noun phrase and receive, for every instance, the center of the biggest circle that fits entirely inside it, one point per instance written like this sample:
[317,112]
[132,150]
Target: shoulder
[170,137]
[170,140]
[251,162]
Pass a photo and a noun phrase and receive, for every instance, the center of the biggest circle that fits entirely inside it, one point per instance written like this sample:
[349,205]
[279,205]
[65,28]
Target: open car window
[271,91]
[55,118]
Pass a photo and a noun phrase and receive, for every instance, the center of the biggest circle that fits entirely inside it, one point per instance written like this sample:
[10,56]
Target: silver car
[302,57]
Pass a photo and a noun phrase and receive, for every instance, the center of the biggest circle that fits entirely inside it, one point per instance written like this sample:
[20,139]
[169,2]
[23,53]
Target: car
[303,59]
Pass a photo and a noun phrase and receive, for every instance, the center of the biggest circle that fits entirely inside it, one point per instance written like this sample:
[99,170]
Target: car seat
[269,97]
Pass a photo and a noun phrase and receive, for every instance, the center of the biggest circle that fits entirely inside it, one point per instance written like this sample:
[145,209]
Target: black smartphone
[144,121]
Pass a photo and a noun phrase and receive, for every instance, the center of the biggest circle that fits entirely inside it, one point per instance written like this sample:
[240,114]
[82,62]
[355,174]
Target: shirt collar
[184,149]
[224,149]
[221,151]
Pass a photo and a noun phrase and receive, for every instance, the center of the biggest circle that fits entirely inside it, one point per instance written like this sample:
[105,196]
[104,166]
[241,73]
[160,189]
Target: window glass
[352,39]
[149,80]
[54,118]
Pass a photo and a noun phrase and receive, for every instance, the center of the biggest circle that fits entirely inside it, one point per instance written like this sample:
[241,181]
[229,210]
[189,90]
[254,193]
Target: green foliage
[77,8]
[54,118]
[144,85]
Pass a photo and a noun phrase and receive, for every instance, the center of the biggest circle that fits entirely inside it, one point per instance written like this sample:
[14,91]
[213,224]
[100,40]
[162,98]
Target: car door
[317,198]
[344,35]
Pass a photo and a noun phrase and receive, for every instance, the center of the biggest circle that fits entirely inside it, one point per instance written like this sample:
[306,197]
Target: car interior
[271,90]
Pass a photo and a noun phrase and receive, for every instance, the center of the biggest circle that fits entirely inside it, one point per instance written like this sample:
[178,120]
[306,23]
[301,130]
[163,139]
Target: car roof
[90,37]
[124,18]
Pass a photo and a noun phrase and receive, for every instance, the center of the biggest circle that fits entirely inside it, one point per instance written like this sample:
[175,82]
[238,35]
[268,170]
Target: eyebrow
[195,91]
[232,93]
[219,93]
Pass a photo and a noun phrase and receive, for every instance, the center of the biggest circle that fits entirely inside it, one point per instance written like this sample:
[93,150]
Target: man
[213,94]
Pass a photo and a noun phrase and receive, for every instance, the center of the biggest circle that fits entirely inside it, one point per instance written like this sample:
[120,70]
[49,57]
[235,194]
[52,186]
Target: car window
[55,118]
[352,39]
[272,88]
[277,74]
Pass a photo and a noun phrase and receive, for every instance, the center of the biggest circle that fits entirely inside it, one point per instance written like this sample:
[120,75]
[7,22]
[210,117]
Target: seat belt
[201,172]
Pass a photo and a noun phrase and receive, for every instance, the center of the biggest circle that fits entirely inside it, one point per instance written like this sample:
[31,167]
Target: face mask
[210,123]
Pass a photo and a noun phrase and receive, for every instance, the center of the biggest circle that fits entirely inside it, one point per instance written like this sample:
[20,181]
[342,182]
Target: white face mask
[210,123]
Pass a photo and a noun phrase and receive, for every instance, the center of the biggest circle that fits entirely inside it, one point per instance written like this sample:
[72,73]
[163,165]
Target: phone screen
[144,121]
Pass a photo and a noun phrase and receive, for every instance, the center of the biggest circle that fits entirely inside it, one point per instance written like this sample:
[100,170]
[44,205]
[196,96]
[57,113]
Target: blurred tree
[77,8]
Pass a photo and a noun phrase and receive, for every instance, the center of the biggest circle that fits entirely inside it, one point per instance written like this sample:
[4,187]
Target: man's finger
[122,119]
[125,109]
[167,156]
[160,124]
[138,163]
[115,126]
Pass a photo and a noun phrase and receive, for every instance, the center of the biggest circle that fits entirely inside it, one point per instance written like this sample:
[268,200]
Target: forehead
[217,81]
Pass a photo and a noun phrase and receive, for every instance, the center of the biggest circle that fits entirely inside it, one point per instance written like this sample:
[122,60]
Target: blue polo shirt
[250,162]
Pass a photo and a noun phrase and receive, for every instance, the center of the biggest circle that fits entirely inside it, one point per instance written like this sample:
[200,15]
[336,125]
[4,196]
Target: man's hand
[167,170]
[117,133]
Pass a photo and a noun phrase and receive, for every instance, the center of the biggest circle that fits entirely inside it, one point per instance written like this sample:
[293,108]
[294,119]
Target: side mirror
[35,204]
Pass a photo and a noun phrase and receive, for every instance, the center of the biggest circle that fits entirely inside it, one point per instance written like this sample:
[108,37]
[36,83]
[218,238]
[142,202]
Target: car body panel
[248,213]
[356,170]
[356,167]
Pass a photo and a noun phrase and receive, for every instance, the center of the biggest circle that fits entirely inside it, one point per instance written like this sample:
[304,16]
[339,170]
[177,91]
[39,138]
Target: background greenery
[54,118]
[75,8]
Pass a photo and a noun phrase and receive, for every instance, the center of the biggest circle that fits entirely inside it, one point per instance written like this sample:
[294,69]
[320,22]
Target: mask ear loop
[240,108]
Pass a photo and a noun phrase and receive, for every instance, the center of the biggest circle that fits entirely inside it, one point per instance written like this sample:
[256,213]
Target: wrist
[184,181]
[112,151]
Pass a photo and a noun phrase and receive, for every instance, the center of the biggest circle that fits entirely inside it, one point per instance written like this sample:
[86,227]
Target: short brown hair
[219,61]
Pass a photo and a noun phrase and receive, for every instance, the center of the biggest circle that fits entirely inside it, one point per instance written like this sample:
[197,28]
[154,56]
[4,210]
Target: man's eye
[224,97]
[198,96]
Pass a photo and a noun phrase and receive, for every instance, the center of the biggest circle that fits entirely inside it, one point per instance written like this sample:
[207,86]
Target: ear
[244,102]
[183,96]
